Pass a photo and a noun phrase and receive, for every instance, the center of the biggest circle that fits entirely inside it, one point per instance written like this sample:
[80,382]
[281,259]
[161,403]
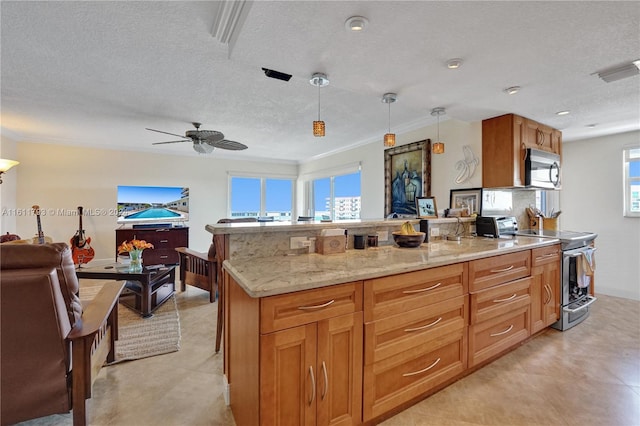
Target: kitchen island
[355,337]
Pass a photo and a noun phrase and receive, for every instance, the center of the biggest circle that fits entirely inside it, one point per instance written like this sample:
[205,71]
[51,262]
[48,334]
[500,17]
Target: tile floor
[589,375]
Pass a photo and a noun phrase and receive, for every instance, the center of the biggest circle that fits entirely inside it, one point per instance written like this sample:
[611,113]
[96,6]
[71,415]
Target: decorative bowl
[408,240]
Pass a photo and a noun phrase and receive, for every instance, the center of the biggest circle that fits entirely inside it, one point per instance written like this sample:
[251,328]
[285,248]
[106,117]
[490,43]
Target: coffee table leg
[146,298]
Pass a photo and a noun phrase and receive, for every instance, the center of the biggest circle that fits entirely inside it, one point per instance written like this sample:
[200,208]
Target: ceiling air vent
[619,72]
[276,74]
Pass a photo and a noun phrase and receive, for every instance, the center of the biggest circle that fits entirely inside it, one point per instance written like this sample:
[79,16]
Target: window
[261,197]
[336,197]
[632,182]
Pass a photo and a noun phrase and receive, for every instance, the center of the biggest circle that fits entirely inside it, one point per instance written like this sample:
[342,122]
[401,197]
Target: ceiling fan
[204,141]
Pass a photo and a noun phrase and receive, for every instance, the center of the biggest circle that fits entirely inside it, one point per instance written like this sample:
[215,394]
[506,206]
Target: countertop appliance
[496,226]
[542,169]
[575,288]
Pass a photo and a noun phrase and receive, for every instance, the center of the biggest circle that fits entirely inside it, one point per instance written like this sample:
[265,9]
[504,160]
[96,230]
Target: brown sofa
[52,347]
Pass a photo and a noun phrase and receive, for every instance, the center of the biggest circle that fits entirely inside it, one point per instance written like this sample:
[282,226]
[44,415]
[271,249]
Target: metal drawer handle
[326,380]
[164,241]
[501,270]
[324,305]
[555,253]
[162,230]
[423,370]
[422,289]
[505,300]
[313,385]
[164,256]
[590,299]
[503,332]
[424,326]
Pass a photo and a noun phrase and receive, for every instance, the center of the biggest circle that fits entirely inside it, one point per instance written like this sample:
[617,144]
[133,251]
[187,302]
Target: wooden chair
[204,270]
[52,346]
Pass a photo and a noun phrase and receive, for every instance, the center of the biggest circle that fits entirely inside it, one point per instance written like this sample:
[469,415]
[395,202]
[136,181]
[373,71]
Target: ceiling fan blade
[227,144]
[166,133]
[161,143]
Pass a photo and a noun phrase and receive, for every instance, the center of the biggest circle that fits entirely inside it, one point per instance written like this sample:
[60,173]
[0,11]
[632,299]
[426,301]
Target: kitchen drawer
[396,380]
[400,293]
[489,338]
[395,334]
[490,271]
[304,307]
[545,255]
[500,299]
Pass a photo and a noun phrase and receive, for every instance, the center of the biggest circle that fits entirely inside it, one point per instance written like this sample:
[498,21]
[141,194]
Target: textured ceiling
[98,73]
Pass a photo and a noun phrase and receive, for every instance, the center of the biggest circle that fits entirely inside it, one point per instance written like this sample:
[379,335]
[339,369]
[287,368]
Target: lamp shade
[7,164]
[438,148]
[390,139]
[318,128]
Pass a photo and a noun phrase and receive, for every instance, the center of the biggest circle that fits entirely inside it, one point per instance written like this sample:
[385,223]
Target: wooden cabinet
[415,335]
[545,287]
[500,301]
[164,241]
[503,151]
[308,356]
[505,140]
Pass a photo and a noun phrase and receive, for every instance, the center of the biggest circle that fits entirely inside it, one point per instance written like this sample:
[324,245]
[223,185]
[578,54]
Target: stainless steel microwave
[542,169]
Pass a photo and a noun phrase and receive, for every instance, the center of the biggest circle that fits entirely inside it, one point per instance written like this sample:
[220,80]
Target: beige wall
[591,200]
[57,177]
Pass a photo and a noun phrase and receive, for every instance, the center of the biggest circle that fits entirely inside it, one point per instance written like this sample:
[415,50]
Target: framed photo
[471,198]
[407,175]
[426,207]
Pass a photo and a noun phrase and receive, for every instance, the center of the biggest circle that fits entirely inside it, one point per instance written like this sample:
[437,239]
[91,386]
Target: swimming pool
[153,213]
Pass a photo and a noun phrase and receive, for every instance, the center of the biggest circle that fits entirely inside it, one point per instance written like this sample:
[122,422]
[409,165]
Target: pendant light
[438,147]
[319,80]
[389,138]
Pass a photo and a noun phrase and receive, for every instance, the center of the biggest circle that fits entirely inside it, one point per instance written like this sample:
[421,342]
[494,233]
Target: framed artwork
[471,198]
[407,175]
[426,207]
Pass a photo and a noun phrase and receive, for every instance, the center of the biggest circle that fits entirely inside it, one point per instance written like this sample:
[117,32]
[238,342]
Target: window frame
[330,174]
[627,158]
[263,177]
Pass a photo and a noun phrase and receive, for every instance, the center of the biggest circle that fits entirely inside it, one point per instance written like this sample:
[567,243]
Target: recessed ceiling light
[512,90]
[454,63]
[637,63]
[562,112]
[356,24]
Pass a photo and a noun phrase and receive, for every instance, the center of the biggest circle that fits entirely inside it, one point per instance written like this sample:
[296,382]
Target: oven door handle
[579,254]
[591,300]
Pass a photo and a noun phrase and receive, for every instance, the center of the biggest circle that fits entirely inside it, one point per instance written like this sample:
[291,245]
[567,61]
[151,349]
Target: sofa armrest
[188,252]
[97,311]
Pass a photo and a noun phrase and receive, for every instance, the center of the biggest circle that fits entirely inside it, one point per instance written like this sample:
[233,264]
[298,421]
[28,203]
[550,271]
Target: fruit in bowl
[408,236]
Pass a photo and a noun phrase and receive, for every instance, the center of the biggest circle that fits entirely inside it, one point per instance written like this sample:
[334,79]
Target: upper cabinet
[505,140]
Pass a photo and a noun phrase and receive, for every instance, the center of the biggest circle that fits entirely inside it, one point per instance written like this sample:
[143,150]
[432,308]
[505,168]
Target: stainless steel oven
[576,295]
[575,285]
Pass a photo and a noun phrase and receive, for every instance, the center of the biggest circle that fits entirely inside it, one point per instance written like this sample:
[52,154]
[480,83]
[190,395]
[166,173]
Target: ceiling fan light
[438,148]
[318,128]
[390,139]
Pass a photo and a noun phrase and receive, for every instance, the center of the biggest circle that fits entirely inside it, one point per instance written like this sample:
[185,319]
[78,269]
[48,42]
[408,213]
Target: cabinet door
[545,287]
[288,377]
[339,370]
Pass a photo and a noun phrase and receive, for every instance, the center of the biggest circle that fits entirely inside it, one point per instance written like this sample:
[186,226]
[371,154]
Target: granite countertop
[255,227]
[269,276]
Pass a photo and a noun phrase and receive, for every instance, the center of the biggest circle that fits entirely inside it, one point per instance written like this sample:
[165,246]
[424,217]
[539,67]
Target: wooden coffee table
[144,291]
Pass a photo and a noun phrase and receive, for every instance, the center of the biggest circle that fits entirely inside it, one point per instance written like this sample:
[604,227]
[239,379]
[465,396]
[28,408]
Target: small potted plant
[135,249]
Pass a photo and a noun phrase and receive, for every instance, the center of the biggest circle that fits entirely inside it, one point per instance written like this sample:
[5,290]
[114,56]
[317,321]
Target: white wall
[592,199]
[8,151]
[454,133]
[62,177]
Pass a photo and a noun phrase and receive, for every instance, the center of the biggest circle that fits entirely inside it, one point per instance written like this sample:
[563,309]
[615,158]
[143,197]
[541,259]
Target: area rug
[143,337]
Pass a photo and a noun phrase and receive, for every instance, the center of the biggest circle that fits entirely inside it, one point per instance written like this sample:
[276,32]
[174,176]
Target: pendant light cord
[389,117]
[318,102]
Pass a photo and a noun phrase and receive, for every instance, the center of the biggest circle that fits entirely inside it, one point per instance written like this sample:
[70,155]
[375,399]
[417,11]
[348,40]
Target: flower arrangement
[133,245]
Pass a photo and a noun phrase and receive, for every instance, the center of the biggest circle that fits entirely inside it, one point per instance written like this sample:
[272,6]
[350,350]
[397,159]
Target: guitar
[81,251]
[40,238]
